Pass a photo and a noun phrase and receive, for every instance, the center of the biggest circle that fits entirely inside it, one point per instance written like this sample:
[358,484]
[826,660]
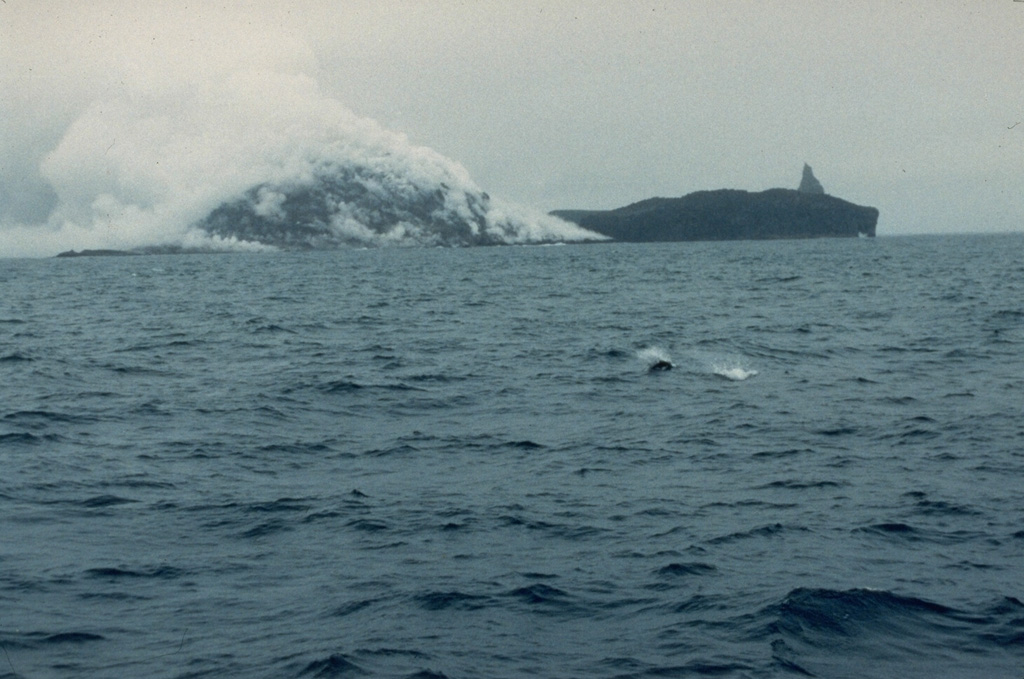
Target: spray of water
[731,368]
[652,356]
[732,371]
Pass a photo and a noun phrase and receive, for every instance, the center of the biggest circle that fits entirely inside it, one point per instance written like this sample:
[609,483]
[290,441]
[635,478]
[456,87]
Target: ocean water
[456,462]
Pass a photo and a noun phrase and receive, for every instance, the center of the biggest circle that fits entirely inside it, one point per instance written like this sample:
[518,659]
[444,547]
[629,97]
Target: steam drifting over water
[257,159]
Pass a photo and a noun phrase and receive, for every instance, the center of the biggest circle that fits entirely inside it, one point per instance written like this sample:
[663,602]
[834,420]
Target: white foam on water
[652,355]
[732,371]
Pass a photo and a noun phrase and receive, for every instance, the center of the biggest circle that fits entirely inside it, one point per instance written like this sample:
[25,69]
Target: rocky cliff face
[729,214]
[809,183]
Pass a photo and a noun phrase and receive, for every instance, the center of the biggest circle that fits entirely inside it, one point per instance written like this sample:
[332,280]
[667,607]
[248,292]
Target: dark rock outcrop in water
[809,183]
[730,214]
[94,253]
[147,250]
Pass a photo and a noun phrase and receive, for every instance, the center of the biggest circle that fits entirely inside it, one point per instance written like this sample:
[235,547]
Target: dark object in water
[661,365]
[94,253]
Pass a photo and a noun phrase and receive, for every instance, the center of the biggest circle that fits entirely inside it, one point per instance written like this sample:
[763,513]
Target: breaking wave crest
[732,371]
[652,355]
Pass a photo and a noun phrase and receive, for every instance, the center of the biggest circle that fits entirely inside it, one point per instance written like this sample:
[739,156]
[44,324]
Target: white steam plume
[142,170]
[172,140]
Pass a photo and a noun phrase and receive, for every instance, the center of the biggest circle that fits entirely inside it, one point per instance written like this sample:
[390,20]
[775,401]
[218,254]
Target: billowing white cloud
[120,122]
[145,167]
[146,159]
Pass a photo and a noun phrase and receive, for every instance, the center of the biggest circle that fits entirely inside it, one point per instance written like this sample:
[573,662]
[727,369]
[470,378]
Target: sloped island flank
[731,214]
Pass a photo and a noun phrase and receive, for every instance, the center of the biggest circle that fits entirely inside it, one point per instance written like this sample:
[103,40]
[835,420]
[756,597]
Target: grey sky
[916,108]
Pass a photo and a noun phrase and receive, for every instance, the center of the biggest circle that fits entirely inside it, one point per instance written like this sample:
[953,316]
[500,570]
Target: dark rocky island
[339,206]
[730,214]
[377,202]
[94,253]
[353,207]
[148,250]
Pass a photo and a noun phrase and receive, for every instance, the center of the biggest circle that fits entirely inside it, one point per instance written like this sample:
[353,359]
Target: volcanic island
[731,214]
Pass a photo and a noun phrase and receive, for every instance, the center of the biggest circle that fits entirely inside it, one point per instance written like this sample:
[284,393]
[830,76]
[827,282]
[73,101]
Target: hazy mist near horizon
[118,122]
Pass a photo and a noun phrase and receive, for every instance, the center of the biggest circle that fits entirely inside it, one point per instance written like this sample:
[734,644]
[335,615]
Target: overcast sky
[916,108]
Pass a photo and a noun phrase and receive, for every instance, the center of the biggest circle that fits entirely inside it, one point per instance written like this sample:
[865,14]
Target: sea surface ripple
[455,463]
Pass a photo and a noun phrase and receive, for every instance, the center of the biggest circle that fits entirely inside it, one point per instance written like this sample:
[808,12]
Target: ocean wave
[843,633]
[334,665]
[684,569]
[162,572]
[16,357]
[454,600]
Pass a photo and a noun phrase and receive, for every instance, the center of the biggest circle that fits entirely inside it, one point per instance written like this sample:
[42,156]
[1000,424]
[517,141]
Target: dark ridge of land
[730,214]
[96,253]
[302,219]
[145,250]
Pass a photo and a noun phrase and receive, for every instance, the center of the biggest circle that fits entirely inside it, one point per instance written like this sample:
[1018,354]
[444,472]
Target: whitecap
[732,372]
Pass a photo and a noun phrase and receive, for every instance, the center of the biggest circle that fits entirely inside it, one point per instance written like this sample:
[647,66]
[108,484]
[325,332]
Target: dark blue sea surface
[455,462]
